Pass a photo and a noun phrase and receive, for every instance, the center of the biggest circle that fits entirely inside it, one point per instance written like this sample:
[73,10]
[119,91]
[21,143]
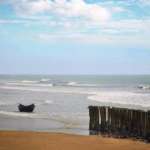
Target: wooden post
[120,122]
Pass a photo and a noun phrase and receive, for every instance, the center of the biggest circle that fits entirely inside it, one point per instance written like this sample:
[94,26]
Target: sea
[62,100]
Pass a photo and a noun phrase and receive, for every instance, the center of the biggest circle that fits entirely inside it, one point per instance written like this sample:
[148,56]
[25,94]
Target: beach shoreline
[22,140]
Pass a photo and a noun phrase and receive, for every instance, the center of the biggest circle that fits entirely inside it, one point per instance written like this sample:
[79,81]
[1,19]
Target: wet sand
[15,140]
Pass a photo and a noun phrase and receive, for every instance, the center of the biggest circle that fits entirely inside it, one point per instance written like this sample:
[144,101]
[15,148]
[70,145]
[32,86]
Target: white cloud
[61,8]
[103,39]
[80,21]
[126,32]
[118,9]
[145,2]
[30,6]
[12,21]
[124,27]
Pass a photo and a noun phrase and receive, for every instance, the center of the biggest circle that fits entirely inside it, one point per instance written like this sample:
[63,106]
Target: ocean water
[62,101]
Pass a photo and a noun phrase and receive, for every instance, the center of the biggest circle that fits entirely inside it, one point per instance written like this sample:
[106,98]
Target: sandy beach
[13,140]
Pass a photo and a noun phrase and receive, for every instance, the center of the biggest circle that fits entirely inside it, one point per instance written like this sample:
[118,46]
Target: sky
[74,37]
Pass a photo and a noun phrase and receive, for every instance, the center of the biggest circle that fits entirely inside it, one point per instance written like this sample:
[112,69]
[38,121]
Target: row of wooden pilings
[119,122]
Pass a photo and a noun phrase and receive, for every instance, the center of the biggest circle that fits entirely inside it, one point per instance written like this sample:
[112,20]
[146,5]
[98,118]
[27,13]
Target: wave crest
[144,87]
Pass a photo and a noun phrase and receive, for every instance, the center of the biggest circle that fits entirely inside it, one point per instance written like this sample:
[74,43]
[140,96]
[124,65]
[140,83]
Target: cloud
[118,9]
[102,39]
[61,8]
[12,21]
[122,27]
[125,32]
[145,2]
[81,21]
[30,6]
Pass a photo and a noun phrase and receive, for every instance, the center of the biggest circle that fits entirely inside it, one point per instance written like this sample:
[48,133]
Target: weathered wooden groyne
[119,122]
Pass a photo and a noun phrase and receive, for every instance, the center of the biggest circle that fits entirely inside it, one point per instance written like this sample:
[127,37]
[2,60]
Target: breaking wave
[29,81]
[144,87]
[44,82]
[72,83]
[48,102]
[29,84]
[75,84]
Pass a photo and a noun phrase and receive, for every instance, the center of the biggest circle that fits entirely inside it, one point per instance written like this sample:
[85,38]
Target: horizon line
[13,74]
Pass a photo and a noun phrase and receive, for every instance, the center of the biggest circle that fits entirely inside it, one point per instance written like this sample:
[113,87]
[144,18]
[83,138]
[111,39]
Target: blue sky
[74,37]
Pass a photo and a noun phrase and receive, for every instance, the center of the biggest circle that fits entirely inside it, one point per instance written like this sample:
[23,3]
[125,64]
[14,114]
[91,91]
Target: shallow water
[62,101]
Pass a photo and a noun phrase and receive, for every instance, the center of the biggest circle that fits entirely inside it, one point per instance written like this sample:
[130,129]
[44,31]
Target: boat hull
[29,108]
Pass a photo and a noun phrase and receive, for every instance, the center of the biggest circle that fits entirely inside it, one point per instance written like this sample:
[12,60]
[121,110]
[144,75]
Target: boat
[27,108]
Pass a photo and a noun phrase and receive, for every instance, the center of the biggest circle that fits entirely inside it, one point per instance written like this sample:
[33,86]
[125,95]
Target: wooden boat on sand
[27,108]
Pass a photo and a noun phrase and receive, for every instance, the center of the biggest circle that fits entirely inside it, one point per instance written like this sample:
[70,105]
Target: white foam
[29,84]
[22,114]
[48,102]
[144,87]
[122,98]
[44,80]
[72,83]
[87,85]
[81,84]
[28,81]
[72,90]
[7,103]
